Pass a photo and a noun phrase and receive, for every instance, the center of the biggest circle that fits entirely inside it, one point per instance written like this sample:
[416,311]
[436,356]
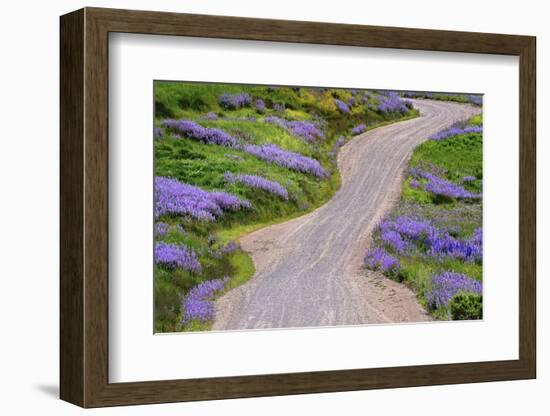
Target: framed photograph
[256,207]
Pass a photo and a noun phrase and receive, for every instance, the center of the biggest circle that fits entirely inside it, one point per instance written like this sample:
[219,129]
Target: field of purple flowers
[231,158]
[433,239]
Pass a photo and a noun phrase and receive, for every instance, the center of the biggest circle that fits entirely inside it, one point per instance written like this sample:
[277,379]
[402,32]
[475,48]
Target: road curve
[308,270]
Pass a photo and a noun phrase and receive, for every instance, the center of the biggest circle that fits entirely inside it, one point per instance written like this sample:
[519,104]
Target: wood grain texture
[84,207]
[96,206]
[162,23]
[71,100]
[527,208]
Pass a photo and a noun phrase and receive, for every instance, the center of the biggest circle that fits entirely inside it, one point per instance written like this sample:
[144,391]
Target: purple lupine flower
[468,178]
[281,122]
[234,101]
[172,256]
[260,105]
[414,184]
[295,161]
[197,304]
[442,244]
[394,240]
[258,182]
[351,102]
[473,247]
[229,202]
[448,284]
[161,228]
[337,144]
[306,130]
[210,116]
[361,128]
[342,106]
[380,259]
[174,197]
[303,129]
[279,107]
[230,247]
[391,102]
[365,98]
[416,173]
[475,99]
[477,236]
[474,250]
[157,133]
[251,119]
[455,130]
[441,187]
[195,131]
[399,233]
[411,228]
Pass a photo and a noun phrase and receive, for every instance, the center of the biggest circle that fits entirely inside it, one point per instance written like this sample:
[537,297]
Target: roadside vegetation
[445,96]
[232,158]
[432,240]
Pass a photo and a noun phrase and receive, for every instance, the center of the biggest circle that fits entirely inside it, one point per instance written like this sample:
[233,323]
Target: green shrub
[476,120]
[466,306]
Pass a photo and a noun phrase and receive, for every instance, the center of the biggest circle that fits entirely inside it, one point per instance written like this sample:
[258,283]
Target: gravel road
[308,270]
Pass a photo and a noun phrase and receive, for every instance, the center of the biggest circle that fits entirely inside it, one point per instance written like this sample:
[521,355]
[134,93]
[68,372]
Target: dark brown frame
[84,207]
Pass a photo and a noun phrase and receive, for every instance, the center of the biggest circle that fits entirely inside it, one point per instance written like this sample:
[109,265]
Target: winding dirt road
[309,270]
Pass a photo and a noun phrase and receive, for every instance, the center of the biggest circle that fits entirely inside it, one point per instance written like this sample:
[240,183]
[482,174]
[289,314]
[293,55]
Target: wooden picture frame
[84,207]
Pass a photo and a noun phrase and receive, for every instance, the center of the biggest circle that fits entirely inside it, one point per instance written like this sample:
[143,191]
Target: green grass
[457,156]
[178,99]
[204,165]
[459,98]
[244,269]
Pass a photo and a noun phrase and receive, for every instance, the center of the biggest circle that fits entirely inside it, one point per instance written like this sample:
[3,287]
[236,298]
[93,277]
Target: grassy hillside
[433,238]
[446,96]
[271,151]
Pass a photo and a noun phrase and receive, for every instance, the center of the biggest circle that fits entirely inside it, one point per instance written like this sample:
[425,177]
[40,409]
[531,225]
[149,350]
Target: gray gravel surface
[309,269]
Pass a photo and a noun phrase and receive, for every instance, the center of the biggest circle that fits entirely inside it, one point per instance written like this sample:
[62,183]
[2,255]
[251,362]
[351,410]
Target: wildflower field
[232,158]
[432,240]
